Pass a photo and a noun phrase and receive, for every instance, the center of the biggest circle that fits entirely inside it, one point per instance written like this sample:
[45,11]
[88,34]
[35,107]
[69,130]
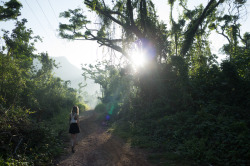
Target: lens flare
[141,52]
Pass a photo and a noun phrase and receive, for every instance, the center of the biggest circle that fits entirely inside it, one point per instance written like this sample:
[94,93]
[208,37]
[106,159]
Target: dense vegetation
[182,105]
[34,105]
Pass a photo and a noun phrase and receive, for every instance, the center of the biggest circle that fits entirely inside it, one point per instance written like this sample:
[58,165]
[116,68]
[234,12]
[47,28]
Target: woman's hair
[75,109]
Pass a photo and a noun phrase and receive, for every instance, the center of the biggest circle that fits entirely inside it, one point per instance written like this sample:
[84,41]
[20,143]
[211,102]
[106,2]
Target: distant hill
[68,71]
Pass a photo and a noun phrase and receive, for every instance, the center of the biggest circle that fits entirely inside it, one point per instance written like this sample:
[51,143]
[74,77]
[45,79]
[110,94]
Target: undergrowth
[27,142]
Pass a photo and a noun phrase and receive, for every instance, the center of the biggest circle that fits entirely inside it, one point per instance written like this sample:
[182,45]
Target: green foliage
[182,103]
[101,108]
[77,21]
[34,105]
[211,139]
[82,107]
[23,141]
[201,119]
[10,10]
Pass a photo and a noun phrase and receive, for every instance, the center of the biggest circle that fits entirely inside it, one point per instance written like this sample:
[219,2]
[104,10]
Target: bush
[25,141]
[82,107]
[101,108]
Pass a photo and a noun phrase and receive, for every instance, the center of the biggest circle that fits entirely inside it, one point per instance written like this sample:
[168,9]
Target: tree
[141,26]
[138,21]
[228,25]
[16,61]
[10,10]
[189,115]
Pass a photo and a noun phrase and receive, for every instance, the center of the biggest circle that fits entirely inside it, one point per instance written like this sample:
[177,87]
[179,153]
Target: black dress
[73,129]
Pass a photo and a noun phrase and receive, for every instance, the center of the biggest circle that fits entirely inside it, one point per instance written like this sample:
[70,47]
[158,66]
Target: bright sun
[138,58]
[141,52]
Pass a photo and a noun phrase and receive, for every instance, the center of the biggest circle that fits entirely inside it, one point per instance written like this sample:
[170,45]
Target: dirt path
[97,147]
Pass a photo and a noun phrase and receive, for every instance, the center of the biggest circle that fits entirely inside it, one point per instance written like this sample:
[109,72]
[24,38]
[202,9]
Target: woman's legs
[75,136]
[73,142]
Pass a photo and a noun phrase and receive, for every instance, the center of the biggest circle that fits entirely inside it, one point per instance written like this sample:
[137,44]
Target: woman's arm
[78,121]
[69,118]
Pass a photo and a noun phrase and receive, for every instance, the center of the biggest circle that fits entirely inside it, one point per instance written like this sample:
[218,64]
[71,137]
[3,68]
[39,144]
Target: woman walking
[74,128]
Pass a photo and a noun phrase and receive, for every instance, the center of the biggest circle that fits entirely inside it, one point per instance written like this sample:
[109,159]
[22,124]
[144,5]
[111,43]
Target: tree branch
[194,25]
[106,12]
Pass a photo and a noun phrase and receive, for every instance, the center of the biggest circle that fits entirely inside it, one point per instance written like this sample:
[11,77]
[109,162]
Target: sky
[43,18]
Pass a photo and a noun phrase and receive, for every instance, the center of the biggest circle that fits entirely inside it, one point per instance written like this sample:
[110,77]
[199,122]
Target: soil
[97,147]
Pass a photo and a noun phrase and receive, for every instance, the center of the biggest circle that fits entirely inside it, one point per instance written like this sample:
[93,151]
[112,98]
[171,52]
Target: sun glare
[141,52]
[138,58]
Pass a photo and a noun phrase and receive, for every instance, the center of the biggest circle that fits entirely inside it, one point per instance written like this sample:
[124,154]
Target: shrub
[25,141]
[101,108]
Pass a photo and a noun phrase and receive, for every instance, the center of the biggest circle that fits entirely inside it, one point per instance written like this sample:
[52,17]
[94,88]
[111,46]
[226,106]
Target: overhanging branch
[194,25]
